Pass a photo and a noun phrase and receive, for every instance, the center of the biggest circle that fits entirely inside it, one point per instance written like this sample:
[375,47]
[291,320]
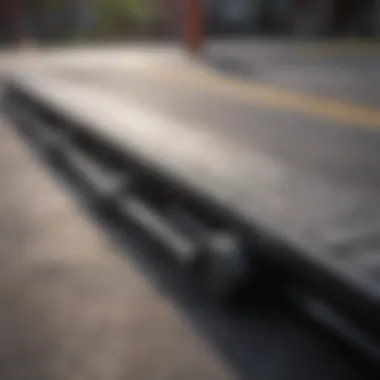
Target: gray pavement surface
[334,225]
[346,154]
[332,197]
[77,304]
[348,70]
[71,307]
[76,308]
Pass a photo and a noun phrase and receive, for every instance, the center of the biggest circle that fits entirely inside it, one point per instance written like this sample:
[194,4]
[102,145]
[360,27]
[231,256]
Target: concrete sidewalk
[75,306]
[71,306]
[75,309]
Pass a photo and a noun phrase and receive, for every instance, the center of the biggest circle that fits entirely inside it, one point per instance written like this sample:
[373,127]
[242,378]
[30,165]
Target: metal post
[194,28]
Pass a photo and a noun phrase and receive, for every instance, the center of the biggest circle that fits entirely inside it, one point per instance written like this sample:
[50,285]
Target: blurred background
[70,20]
[307,108]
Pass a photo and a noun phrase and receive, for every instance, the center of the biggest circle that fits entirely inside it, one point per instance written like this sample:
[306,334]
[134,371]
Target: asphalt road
[344,70]
[312,131]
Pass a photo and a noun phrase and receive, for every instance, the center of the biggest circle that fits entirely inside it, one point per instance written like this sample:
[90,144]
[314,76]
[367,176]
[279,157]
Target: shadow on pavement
[265,341]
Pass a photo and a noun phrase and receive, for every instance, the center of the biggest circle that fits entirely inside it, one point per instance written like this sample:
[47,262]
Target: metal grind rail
[228,254]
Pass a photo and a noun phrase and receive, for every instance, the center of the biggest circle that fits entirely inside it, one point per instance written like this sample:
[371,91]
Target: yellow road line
[270,96]
[333,48]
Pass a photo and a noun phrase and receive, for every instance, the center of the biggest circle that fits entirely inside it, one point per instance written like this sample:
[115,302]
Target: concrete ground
[82,300]
[77,305]
[72,306]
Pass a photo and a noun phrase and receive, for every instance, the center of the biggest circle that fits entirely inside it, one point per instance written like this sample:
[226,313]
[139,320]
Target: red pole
[194,27]
[14,20]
